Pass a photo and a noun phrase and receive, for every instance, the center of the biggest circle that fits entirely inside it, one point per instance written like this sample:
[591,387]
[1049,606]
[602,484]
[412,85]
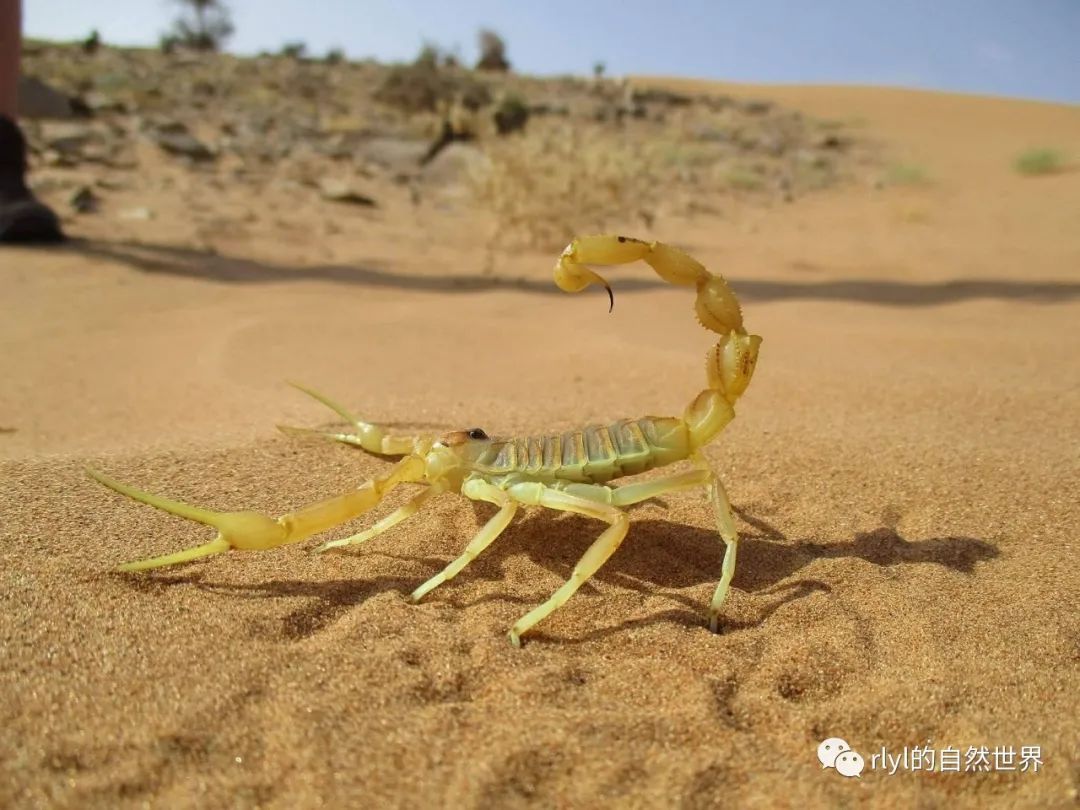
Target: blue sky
[1000,47]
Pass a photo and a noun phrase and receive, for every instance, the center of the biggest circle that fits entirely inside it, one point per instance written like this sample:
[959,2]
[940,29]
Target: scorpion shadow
[663,558]
[332,597]
[658,558]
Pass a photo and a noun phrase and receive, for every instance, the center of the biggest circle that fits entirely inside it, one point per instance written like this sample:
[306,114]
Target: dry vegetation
[651,155]
[1040,161]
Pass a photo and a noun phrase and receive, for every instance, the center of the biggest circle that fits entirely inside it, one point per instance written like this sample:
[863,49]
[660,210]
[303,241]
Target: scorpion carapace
[568,472]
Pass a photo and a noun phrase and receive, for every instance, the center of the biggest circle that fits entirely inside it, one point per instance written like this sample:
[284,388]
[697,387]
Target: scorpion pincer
[569,472]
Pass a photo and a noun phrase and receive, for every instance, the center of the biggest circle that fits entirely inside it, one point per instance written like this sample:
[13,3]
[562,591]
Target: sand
[904,469]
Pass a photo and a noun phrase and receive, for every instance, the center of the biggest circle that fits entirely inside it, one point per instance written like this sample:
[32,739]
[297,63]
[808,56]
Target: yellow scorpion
[567,472]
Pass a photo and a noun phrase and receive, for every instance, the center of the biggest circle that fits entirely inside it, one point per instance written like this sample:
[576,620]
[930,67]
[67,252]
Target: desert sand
[904,468]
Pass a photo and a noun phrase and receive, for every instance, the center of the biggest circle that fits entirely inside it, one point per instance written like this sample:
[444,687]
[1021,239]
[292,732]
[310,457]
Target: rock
[67,137]
[711,134]
[343,124]
[181,142]
[84,200]
[335,147]
[39,100]
[50,157]
[43,182]
[832,141]
[338,190]
[455,164]
[98,102]
[141,213]
[391,153]
[97,152]
[109,183]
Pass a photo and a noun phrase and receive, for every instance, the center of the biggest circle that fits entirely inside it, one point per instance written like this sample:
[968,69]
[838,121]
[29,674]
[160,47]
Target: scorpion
[569,472]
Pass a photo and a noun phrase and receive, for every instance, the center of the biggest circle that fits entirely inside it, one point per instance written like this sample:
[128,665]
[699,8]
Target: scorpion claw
[308,433]
[226,524]
[252,531]
[340,410]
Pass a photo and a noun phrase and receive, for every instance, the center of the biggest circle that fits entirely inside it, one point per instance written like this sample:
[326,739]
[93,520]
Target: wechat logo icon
[836,753]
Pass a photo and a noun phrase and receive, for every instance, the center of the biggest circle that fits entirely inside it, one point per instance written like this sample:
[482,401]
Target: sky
[994,47]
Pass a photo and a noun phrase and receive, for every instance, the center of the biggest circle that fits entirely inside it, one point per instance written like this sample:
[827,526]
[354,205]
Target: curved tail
[729,364]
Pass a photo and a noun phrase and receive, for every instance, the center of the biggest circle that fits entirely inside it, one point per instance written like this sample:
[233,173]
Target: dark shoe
[23,217]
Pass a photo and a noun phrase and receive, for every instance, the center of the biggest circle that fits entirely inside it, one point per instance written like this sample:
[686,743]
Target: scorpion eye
[477,433]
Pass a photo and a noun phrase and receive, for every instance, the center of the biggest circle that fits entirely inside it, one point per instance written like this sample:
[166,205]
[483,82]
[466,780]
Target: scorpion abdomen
[594,454]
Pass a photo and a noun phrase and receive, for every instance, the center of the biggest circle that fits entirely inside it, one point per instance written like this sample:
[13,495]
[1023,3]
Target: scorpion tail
[729,364]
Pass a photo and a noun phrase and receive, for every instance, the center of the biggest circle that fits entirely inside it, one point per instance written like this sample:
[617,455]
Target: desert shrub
[424,86]
[906,174]
[204,26]
[492,51]
[294,50]
[743,178]
[419,87]
[92,42]
[544,187]
[471,93]
[659,96]
[681,154]
[1039,161]
[811,171]
[511,115]
[335,56]
[429,56]
[436,56]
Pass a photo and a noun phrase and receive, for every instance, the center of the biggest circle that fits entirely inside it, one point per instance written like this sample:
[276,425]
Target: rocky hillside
[541,156]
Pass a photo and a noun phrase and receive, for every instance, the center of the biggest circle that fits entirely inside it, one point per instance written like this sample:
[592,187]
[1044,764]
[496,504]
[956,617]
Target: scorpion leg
[387,523]
[725,523]
[636,493]
[478,490]
[369,437]
[594,557]
[629,494]
[251,531]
